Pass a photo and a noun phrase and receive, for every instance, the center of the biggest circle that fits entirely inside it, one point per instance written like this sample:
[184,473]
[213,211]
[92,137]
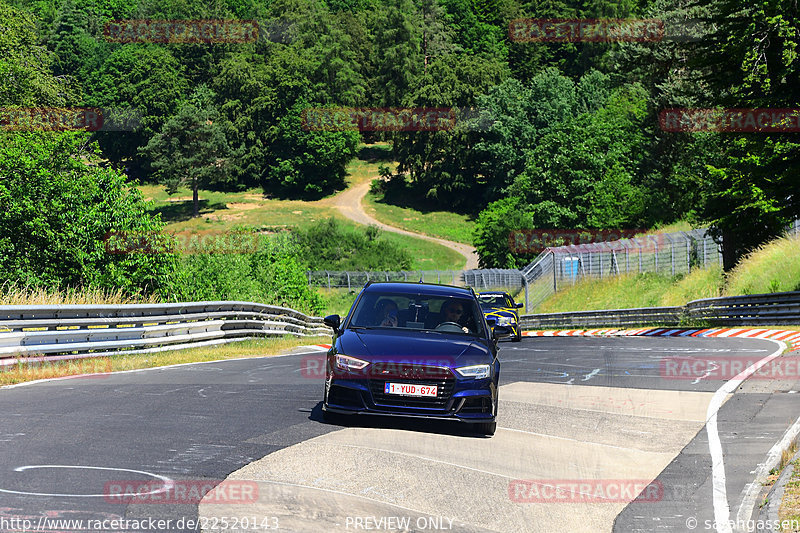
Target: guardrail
[779,308]
[667,316]
[78,330]
[774,309]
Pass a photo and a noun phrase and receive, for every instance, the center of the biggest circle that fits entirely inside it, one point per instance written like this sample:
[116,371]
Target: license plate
[406,389]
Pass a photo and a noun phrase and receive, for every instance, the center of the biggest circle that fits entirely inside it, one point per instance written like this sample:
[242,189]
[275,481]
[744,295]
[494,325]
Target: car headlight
[345,362]
[475,371]
[505,321]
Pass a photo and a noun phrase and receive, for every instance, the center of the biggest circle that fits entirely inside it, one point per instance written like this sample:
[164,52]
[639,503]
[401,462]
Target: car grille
[416,374]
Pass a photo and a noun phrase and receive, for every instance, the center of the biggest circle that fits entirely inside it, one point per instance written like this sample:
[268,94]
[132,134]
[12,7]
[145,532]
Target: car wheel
[518,337]
[486,428]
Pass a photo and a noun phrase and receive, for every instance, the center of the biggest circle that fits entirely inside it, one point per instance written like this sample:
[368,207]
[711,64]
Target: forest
[559,133]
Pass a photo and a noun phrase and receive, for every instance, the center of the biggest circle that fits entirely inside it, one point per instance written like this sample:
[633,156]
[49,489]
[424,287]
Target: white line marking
[168,483]
[722,510]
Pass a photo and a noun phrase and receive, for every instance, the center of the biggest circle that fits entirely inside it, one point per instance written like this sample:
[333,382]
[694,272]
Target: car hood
[393,345]
[500,311]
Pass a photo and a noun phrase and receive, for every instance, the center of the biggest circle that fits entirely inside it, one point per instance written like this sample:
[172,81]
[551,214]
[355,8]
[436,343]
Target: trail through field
[348,202]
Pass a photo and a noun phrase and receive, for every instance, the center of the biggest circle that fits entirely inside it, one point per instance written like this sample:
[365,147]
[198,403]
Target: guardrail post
[525,285]
[688,257]
[705,261]
[438,277]
[348,280]
[600,259]
[555,283]
[672,256]
[329,279]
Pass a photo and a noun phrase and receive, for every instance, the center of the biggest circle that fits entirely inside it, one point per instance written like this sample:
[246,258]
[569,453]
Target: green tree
[492,229]
[191,149]
[26,77]
[308,163]
[147,78]
[751,59]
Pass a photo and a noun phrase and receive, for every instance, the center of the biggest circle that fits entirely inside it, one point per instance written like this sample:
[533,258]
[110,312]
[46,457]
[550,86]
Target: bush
[57,207]
[274,275]
[330,246]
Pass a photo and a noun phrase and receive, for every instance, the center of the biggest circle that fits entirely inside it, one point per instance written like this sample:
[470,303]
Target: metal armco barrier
[667,316]
[782,308]
[135,328]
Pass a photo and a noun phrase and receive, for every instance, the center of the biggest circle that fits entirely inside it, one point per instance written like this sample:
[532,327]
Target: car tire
[518,337]
[486,428]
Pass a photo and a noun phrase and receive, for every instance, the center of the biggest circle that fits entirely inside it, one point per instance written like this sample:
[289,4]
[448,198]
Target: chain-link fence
[353,279]
[556,267]
[664,253]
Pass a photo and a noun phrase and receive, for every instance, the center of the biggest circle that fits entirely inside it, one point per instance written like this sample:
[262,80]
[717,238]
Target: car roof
[493,292]
[431,289]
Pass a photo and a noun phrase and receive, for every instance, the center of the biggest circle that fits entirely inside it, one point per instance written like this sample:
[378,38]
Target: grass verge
[773,267]
[40,368]
[789,509]
[620,292]
[442,224]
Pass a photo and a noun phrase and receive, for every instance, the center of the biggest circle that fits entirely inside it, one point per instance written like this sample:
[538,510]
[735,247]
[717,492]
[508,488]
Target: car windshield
[418,311]
[493,300]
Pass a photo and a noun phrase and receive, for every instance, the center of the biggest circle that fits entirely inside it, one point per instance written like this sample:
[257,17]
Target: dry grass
[33,368]
[24,295]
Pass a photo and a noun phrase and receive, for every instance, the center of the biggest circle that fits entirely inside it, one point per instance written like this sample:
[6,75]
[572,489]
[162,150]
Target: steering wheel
[448,326]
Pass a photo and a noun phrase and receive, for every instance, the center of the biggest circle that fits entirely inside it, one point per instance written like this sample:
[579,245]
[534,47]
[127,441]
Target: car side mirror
[519,305]
[491,321]
[502,332]
[333,321]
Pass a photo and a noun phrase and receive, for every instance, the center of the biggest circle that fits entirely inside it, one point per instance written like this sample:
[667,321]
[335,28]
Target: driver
[453,311]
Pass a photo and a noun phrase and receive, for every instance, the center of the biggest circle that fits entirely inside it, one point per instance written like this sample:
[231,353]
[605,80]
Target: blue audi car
[414,350]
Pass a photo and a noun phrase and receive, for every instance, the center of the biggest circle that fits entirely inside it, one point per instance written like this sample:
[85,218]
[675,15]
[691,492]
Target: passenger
[387,313]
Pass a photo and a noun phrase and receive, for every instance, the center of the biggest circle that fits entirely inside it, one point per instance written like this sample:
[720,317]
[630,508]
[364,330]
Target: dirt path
[348,202]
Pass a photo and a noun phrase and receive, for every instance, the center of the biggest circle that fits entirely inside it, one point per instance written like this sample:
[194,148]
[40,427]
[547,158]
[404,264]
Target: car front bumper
[465,400]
